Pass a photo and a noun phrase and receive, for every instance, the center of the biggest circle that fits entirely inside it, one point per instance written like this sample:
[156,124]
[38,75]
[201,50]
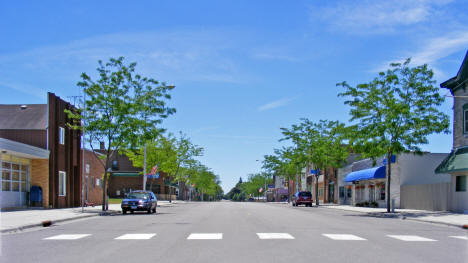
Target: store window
[349,192]
[460,183]
[342,192]
[62,183]
[382,192]
[15,175]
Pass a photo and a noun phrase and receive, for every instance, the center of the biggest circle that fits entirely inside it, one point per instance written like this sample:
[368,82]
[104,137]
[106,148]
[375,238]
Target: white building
[414,184]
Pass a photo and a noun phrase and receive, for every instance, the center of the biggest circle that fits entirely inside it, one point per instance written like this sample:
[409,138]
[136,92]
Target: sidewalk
[22,219]
[437,217]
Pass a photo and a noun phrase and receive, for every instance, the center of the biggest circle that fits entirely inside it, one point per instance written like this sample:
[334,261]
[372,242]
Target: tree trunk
[104,191]
[387,185]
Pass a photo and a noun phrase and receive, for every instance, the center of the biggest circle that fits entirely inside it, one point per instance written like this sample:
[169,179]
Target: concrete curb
[400,216]
[52,222]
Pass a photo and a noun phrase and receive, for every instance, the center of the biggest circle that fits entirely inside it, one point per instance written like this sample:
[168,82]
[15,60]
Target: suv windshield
[305,194]
[138,196]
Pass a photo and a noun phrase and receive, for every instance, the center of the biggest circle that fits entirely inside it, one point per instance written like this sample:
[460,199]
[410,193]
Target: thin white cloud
[179,55]
[205,129]
[25,89]
[431,51]
[275,104]
[364,17]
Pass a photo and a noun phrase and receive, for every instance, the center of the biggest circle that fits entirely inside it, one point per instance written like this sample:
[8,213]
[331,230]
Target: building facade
[413,183]
[43,126]
[126,178]
[456,164]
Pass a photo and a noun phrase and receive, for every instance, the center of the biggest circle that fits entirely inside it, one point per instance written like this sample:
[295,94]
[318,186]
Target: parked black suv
[140,201]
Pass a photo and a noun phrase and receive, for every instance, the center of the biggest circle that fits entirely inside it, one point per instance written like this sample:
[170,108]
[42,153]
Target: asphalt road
[238,232]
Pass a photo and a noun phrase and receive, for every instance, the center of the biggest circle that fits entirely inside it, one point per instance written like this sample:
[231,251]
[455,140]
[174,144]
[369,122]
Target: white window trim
[64,183]
[62,135]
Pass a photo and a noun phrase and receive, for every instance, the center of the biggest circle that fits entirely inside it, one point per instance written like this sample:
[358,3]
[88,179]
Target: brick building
[94,170]
[38,149]
[125,178]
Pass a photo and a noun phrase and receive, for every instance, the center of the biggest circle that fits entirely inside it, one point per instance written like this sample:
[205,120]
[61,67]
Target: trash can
[35,195]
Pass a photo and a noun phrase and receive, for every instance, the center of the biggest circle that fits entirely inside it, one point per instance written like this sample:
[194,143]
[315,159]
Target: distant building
[456,164]
[126,178]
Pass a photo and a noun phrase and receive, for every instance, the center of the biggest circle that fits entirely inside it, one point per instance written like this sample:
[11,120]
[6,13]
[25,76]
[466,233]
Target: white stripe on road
[205,236]
[410,238]
[460,237]
[67,237]
[343,237]
[135,236]
[274,236]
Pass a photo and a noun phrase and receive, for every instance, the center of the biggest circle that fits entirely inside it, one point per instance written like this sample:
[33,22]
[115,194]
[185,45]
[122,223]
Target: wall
[36,138]
[63,157]
[40,177]
[459,200]
[459,138]
[419,169]
[96,171]
[434,197]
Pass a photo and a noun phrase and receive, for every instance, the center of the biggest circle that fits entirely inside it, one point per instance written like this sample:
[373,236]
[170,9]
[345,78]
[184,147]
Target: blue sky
[242,69]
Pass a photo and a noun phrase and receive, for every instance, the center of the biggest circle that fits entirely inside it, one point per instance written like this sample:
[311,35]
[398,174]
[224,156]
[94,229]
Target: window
[342,192]
[15,176]
[61,135]
[382,191]
[465,118]
[350,192]
[62,183]
[460,183]
[98,182]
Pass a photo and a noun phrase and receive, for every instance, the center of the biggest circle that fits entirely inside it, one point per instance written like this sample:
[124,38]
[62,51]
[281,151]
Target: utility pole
[144,169]
[83,150]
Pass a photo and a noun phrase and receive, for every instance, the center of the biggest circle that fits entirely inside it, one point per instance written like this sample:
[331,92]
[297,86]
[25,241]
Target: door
[331,193]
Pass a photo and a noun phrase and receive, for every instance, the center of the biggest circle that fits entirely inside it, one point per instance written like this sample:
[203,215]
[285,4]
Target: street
[238,232]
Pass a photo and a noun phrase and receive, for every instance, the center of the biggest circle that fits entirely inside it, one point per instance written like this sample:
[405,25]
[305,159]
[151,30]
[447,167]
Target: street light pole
[144,169]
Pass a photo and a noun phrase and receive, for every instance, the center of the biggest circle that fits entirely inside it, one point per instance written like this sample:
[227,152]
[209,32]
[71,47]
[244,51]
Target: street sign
[271,186]
[315,172]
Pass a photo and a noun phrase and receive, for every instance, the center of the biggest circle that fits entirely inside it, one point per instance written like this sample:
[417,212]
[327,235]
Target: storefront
[21,168]
[368,187]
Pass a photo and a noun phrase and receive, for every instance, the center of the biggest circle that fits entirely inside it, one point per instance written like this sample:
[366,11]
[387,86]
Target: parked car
[140,201]
[302,198]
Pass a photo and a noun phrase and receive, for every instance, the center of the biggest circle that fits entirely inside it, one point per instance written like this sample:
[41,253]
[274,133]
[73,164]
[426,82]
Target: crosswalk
[261,236]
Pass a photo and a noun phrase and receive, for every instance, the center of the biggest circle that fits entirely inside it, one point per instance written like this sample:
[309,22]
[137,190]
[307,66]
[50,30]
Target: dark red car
[302,198]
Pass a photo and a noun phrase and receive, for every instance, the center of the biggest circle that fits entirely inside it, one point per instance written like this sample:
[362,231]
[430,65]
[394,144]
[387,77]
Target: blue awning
[367,174]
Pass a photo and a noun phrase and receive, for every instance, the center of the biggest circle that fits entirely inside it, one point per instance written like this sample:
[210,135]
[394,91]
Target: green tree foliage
[394,113]
[122,109]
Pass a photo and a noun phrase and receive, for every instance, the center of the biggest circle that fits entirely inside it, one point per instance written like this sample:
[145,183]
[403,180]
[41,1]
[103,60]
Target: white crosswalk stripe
[67,237]
[205,236]
[410,238]
[274,236]
[135,236]
[460,237]
[343,237]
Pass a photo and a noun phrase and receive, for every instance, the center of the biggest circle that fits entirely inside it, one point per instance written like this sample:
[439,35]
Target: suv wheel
[124,211]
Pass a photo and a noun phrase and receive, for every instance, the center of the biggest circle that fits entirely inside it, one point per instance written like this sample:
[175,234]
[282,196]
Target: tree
[394,113]
[122,109]
[321,144]
[171,154]
[283,163]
